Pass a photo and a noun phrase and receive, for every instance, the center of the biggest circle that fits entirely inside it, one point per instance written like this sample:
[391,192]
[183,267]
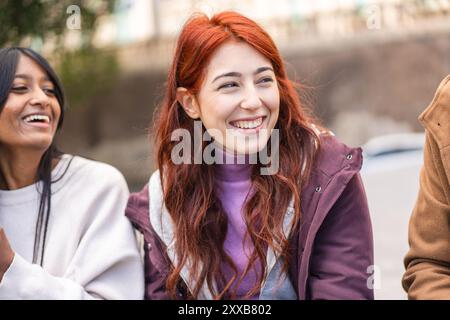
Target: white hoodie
[91,251]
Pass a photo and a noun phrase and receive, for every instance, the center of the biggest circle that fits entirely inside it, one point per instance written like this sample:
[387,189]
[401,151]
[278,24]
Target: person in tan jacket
[427,263]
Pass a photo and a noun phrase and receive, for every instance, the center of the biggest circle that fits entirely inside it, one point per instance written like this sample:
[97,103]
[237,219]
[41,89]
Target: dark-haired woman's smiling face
[30,116]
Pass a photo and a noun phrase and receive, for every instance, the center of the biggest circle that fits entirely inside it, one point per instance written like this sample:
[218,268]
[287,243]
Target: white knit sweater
[91,250]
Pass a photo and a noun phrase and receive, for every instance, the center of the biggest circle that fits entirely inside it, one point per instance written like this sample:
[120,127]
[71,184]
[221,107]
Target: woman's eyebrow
[22,76]
[262,69]
[237,74]
[228,74]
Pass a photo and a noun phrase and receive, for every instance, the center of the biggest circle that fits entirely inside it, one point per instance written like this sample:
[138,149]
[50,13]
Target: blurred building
[139,28]
[137,21]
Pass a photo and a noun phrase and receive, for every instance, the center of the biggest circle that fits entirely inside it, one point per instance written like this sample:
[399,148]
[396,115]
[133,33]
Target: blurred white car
[393,151]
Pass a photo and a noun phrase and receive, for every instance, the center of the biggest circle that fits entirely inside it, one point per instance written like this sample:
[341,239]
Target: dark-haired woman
[62,230]
[294,225]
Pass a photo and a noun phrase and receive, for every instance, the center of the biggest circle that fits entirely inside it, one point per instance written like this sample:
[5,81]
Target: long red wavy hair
[200,222]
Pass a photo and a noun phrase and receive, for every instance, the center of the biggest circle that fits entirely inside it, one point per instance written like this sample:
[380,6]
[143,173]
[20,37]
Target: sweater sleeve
[106,263]
[343,250]
[24,280]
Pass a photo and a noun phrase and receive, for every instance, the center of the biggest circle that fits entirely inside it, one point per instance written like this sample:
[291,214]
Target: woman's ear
[188,102]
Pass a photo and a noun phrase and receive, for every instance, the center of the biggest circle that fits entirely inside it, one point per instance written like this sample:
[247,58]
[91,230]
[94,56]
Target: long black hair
[9,59]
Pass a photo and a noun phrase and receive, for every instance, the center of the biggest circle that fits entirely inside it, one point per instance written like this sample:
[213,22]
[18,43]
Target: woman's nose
[40,98]
[251,99]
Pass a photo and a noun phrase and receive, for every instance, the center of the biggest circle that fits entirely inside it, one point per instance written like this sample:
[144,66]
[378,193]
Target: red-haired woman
[294,225]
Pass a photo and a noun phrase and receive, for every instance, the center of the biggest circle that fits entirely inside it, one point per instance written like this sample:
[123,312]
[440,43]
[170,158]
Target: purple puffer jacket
[333,246]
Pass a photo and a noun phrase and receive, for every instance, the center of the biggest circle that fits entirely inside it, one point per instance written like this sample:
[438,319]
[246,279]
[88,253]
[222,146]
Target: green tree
[84,70]
[41,19]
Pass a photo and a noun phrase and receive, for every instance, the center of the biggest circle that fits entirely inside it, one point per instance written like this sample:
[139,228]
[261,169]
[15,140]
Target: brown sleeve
[427,263]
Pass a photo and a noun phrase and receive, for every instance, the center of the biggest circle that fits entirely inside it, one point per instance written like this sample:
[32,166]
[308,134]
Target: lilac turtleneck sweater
[233,183]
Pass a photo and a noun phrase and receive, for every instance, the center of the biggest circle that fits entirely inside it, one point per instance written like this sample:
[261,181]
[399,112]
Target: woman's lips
[37,121]
[239,125]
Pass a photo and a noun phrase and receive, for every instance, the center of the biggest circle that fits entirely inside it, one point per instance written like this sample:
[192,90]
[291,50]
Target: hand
[6,254]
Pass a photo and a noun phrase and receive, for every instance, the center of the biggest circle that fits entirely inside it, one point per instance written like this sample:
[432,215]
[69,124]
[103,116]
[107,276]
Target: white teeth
[37,117]
[248,124]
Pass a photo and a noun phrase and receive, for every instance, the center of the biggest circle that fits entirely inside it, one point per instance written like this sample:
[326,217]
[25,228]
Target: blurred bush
[86,72]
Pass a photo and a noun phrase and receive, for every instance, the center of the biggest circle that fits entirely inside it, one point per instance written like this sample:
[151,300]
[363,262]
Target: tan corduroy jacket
[427,263]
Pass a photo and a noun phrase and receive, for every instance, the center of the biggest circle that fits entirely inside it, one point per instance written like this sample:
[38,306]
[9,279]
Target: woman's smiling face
[238,101]
[30,116]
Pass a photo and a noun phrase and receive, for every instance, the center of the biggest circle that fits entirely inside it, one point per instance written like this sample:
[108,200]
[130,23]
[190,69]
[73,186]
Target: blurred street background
[367,68]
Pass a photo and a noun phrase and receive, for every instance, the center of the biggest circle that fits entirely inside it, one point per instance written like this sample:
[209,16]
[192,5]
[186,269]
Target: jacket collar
[163,225]
[435,120]
[436,115]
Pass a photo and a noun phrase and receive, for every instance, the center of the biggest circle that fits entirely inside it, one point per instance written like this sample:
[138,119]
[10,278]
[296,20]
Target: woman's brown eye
[19,89]
[265,80]
[228,85]
[49,91]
